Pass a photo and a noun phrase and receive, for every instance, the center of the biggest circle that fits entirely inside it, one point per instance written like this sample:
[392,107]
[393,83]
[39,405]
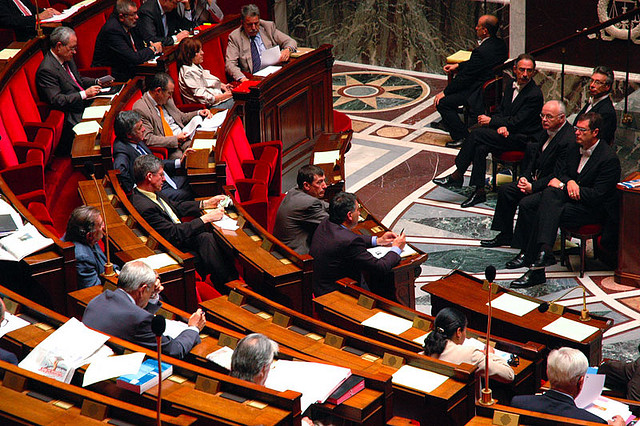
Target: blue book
[146,377]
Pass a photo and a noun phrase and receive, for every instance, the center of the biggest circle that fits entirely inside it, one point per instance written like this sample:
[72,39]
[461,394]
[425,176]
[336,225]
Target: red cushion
[87,32]
[591,229]
[8,156]
[511,156]
[25,104]
[214,59]
[130,102]
[30,68]
[205,292]
[341,122]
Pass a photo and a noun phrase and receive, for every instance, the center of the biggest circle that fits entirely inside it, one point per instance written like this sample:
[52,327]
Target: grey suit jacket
[238,57]
[154,132]
[298,217]
[113,313]
[89,264]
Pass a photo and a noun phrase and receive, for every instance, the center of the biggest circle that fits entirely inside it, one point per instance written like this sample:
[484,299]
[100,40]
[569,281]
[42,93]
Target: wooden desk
[344,309]
[451,402]
[464,292]
[82,15]
[628,270]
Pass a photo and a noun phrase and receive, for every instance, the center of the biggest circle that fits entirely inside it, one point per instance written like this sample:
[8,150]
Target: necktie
[585,154]
[133,43]
[165,126]
[164,24]
[24,9]
[66,67]
[255,55]
[167,178]
[168,209]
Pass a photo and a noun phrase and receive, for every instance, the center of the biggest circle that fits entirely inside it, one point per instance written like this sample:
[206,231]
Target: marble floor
[394,157]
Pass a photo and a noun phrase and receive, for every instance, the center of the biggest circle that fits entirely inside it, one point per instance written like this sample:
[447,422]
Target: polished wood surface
[628,270]
[464,292]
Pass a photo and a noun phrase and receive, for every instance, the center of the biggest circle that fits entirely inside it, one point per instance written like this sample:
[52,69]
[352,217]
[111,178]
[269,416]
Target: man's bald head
[488,23]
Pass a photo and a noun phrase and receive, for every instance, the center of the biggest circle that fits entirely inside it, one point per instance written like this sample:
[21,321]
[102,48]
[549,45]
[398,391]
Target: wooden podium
[628,271]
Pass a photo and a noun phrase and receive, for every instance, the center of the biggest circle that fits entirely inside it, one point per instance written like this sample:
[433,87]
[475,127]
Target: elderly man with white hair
[252,358]
[566,368]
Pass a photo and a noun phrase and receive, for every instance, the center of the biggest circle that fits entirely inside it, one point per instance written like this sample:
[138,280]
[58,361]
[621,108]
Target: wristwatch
[561,185]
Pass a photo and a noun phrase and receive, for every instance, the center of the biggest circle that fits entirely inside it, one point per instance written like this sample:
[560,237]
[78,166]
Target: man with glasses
[583,193]
[339,252]
[163,121]
[515,123]
[542,161]
[600,86]
[60,84]
[119,44]
[127,312]
[160,21]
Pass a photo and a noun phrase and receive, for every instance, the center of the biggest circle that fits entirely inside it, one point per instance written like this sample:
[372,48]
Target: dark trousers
[622,376]
[480,143]
[509,195]
[448,109]
[212,259]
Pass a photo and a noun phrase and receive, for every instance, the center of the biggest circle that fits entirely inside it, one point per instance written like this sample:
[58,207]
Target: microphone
[490,273]
[90,170]
[158,325]
[486,397]
[557,309]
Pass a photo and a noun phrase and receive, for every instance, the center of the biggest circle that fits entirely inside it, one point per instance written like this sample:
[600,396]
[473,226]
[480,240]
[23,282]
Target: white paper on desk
[192,126]
[13,323]
[103,352]
[211,124]
[227,223]
[8,53]
[570,329]
[95,112]
[606,408]
[326,157]
[380,251]
[270,57]
[420,340]
[222,357]
[22,243]
[86,127]
[475,343]
[389,323]
[207,144]
[112,366]
[157,261]
[174,328]
[316,382]
[513,304]
[417,378]
[267,71]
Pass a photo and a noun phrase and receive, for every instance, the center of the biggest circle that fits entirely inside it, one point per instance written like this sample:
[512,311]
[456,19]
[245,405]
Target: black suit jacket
[124,156]
[114,49]
[11,17]
[539,167]
[56,87]
[609,119]
[178,234]
[473,73]
[339,252]
[552,402]
[150,23]
[522,116]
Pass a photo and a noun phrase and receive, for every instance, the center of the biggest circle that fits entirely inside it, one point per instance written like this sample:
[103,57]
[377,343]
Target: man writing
[302,209]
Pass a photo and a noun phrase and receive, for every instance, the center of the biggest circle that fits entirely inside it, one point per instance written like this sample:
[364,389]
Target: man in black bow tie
[584,193]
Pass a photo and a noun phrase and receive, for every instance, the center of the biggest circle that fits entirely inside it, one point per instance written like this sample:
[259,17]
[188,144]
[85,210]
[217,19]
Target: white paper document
[22,243]
[326,157]
[389,323]
[380,251]
[222,357]
[227,223]
[420,340]
[210,124]
[316,382]
[8,53]
[267,71]
[417,378]
[112,366]
[174,328]
[192,126]
[12,323]
[590,398]
[270,56]
[475,343]
[208,144]
[513,304]
[158,261]
[86,128]
[570,329]
[95,112]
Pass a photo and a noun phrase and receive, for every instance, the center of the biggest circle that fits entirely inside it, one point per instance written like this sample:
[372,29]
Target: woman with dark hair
[445,343]
[197,84]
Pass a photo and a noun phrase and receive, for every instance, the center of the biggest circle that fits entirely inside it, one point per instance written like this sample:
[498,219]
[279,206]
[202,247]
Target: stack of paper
[573,330]
[389,323]
[591,399]
[380,251]
[513,304]
[158,261]
[418,379]
[86,128]
[12,323]
[23,242]
[222,357]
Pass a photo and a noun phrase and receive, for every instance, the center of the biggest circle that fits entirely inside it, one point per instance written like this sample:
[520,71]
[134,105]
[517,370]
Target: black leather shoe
[516,262]
[529,279]
[455,144]
[544,259]
[501,239]
[475,198]
[439,125]
[448,182]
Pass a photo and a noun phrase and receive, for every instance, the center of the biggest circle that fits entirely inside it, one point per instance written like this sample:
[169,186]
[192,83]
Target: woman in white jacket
[198,85]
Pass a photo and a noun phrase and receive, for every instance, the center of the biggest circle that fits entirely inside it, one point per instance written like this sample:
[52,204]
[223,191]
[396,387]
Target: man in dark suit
[4,354]
[119,44]
[466,86]
[127,312]
[339,252]
[509,129]
[584,193]
[542,161]
[60,84]
[566,368]
[159,21]
[164,216]
[20,16]
[600,86]
[252,358]
[129,145]
[302,209]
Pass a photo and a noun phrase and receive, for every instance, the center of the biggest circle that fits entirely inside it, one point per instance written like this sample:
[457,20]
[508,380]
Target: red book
[347,389]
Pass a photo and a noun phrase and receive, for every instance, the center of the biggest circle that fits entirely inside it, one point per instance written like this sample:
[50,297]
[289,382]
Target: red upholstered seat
[341,122]
[87,32]
[214,58]
[510,158]
[129,105]
[172,69]
[585,232]
[205,292]
[41,213]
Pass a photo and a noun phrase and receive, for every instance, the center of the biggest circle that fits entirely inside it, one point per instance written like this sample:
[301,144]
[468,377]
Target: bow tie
[585,152]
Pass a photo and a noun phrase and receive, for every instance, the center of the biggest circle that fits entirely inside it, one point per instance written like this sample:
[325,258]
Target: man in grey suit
[127,312]
[247,43]
[162,120]
[302,210]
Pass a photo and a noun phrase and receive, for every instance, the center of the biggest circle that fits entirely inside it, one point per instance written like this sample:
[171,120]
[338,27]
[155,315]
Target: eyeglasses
[549,116]
[581,129]
[597,82]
